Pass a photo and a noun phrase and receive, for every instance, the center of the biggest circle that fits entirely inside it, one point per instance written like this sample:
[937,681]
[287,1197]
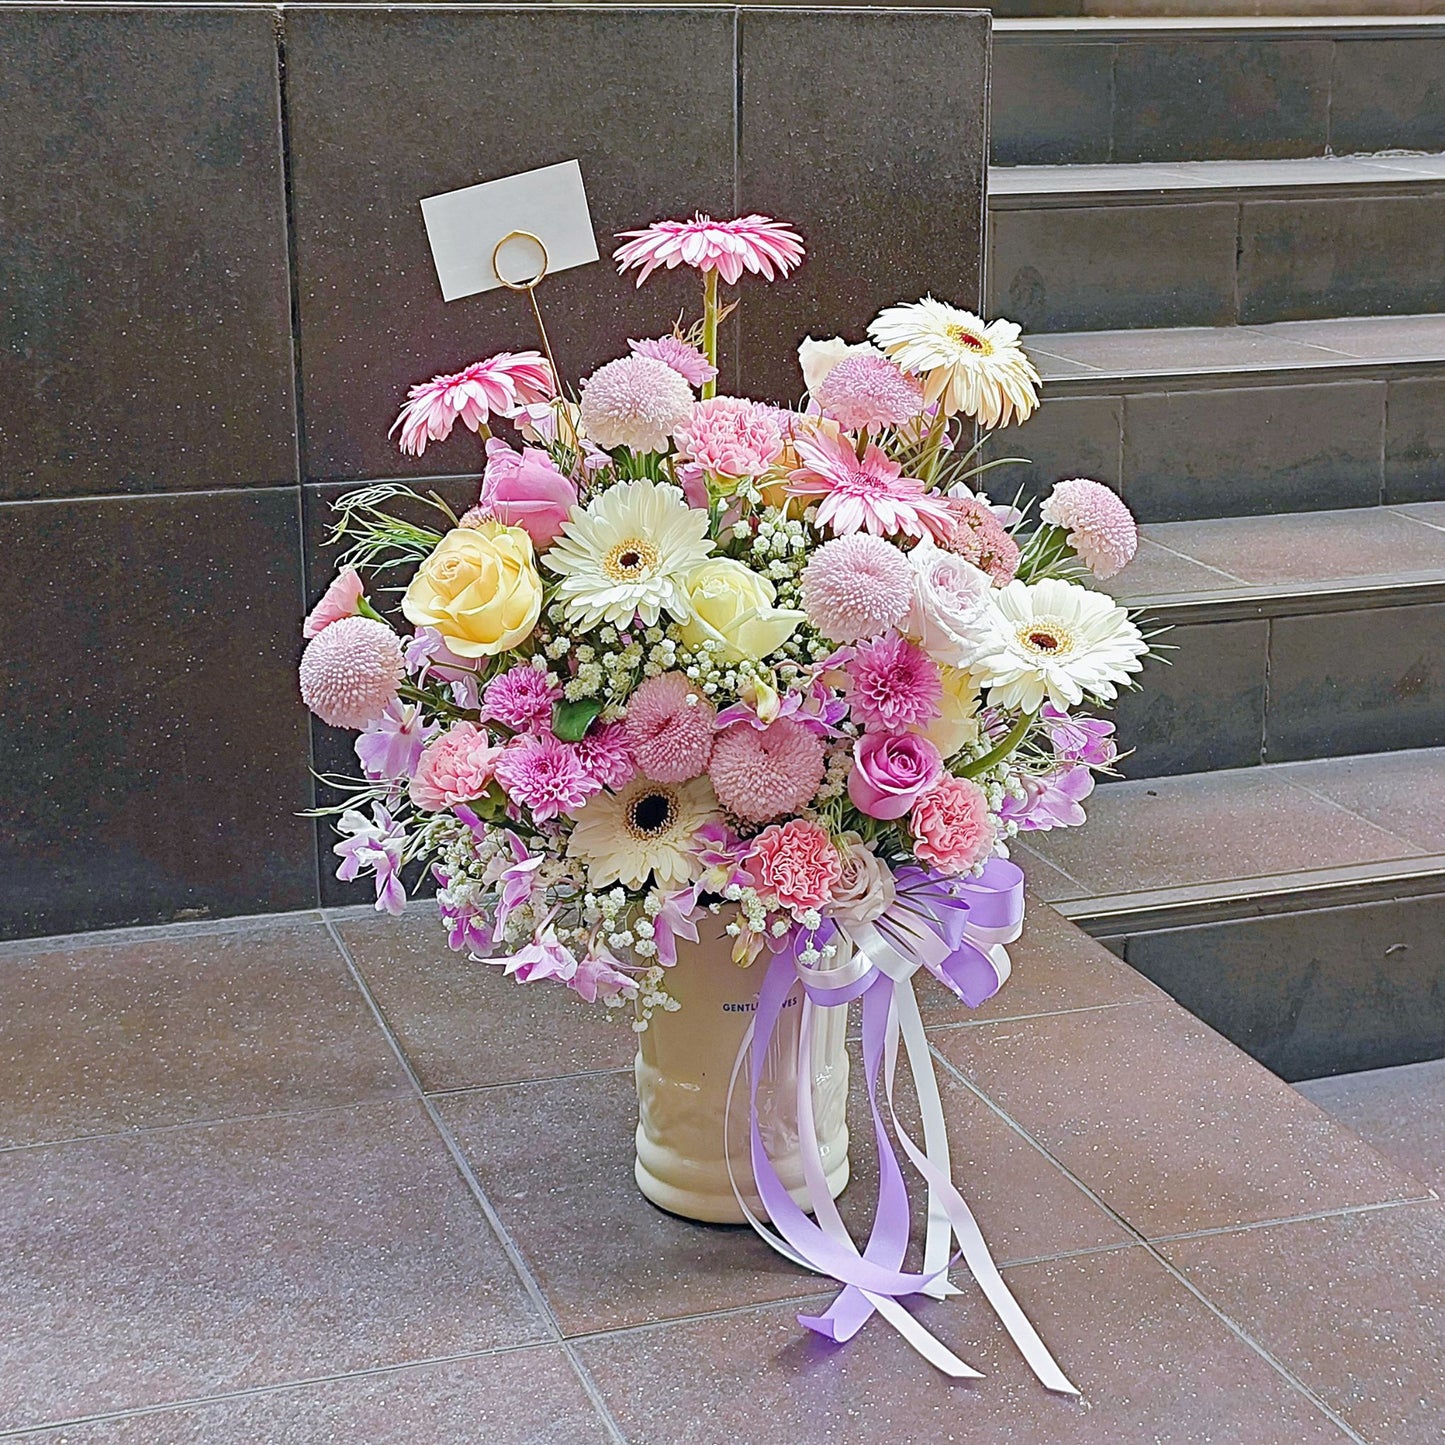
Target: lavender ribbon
[956,929]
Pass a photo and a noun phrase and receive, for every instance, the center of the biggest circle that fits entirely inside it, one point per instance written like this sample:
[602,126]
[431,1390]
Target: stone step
[1298,908]
[1198,422]
[1400,1111]
[1090,91]
[1294,636]
[1216,243]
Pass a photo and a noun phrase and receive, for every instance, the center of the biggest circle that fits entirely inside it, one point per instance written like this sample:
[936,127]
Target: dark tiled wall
[216,288]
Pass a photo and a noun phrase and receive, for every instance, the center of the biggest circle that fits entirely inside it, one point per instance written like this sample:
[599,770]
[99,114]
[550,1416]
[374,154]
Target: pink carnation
[340,601]
[521,698]
[856,587]
[796,864]
[456,768]
[1101,528]
[605,755]
[544,776]
[869,392]
[503,384]
[979,537]
[892,684]
[526,491]
[730,437]
[687,361]
[951,826]
[760,775]
[350,671]
[669,728]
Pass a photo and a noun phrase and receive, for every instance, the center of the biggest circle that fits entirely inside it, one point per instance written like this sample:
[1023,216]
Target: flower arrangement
[690,650]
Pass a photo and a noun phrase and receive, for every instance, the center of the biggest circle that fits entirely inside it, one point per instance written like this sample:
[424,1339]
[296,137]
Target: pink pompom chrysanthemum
[341,599]
[979,537]
[796,864]
[456,768]
[544,776]
[605,755]
[869,392]
[503,384]
[1101,528]
[760,775]
[687,361]
[754,243]
[893,684]
[635,401]
[730,437]
[863,493]
[951,825]
[521,698]
[856,587]
[350,672]
[669,729]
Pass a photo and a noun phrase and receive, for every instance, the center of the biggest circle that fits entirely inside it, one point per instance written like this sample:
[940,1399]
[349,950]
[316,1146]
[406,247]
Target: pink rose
[341,600]
[952,828]
[796,863]
[890,771]
[526,491]
[456,768]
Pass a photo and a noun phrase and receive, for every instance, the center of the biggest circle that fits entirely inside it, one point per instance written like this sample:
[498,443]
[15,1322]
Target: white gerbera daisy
[628,551]
[966,364]
[1057,641]
[647,828]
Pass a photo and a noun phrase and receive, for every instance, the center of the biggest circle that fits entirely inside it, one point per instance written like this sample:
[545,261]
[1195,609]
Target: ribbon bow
[957,930]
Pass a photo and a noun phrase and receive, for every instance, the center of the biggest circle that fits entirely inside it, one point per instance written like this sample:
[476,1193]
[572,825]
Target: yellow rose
[958,723]
[730,604]
[479,589]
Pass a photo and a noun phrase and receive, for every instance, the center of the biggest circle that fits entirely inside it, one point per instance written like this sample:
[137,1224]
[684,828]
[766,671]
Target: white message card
[466,227]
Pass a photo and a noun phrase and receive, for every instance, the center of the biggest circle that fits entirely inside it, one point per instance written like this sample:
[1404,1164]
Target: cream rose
[730,604]
[866,887]
[957,723]
[479,589]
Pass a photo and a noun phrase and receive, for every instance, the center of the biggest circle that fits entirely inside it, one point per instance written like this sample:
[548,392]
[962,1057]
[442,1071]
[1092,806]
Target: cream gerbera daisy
[647,828]
[1057,641]
[966,364]
[628,552]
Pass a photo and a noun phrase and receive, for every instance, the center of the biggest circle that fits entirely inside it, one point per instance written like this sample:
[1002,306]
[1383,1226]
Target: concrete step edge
[1104,30]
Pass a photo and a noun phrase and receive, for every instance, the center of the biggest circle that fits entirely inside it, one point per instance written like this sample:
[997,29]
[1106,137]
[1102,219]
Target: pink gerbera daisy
[751,243]
[864,492]
[687,361]
[503,383]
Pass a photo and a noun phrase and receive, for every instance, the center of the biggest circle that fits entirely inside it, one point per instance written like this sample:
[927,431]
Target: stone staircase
[1226,238]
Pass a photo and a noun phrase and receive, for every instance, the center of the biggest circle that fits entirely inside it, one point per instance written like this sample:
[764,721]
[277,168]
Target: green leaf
[570,720]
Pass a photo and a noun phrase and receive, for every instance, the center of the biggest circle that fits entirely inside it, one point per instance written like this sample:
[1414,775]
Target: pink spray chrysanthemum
[502,384]
[544,776]
[869,392]
[521,698]
[856,587]
[796,864]
[892,685]
[350,671]
[669,729]
[761,775]
[635,401]
[864,493]
[456,768]
[605,755]
[687,361]
[730,437]
[1101,528]
[979,537]
[340,600]
[754,243]
[951,825]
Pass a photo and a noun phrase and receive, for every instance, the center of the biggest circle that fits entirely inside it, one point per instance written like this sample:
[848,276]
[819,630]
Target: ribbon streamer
[956,929]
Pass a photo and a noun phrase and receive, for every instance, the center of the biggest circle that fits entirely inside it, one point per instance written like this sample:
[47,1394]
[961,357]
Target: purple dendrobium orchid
[600,974]
[391,747]
[1080,739]
[677,919]
[466,926]
[516,883]
[721,853]
[1052,801]
[546,956]
[373,846]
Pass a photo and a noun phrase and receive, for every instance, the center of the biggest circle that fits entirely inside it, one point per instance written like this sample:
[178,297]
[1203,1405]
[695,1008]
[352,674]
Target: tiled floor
[236,1205]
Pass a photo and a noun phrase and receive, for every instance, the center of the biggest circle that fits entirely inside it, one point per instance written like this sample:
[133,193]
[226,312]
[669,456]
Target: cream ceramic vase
[684,1062]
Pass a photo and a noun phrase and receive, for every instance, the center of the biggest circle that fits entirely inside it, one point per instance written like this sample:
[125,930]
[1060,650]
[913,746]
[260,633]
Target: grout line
[462,1090]
[1265,691]
[1414,1202]
[1159,1258]
[1149,537]
[158,932]
[514,1255]
[954,1025]
[1294,783]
